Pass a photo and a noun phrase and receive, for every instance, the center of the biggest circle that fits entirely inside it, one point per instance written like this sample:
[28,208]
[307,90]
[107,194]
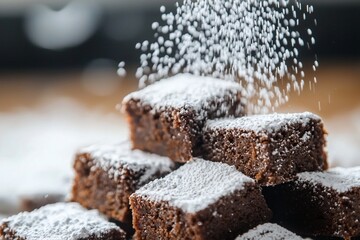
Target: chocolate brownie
[167,117]
[106,175]
[319,203]
[271,148]
[200,200]
[269,231]
[60,221]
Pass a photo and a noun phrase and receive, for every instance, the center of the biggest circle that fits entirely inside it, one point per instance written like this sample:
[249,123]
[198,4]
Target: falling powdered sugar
[195,185]
[60,221]
[252,42]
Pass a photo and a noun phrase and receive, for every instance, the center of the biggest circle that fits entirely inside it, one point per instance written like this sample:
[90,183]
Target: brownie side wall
[232,215]
[171,132]
[158,220]
[315,210]
[298,148]
[349,203]
[238,148]
[111,235]
[225,219]
[93,188]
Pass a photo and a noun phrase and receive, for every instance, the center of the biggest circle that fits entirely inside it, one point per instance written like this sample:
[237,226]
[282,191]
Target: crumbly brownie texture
[167,117]
[272,148]
[60,221]
[106,175]
[200,200]
[319,203]
[269,231]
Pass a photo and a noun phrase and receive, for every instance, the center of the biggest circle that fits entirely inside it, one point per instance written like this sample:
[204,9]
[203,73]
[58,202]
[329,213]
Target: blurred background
[59,85]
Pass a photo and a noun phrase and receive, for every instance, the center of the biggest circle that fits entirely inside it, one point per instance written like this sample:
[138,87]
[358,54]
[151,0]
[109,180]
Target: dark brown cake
[106,175]
[60,221]
[269,231]
[272,148]
[167,117]
[319,203]
[200,200]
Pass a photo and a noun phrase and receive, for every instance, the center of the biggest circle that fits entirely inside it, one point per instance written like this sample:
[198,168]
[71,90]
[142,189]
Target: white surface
[62,221]
[339,179]
[195,185]
[269,231]
[264,123]
[344,139]
[37,147]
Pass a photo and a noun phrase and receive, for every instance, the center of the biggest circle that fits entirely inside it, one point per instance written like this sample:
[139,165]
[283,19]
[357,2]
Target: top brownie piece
[270,148]
[167,117]
[60,221]
[269,231]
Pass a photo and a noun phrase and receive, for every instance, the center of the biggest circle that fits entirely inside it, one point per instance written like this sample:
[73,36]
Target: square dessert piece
[60,221]
[319,203]
[200,200]
[269,231]
[167,117]
[271,149]
[106,175]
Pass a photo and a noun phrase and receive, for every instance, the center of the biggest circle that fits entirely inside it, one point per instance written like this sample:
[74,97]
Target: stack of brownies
[196,168]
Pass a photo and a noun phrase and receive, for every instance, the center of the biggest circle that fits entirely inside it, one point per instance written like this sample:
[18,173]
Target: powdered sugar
[264,123]
[252,42]
[269,231]
[339,179]
[186,90]
[195,185]
[60,221]
[113,158]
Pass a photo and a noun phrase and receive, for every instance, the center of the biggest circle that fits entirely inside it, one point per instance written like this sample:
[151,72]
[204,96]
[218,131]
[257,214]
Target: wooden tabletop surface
[337,90]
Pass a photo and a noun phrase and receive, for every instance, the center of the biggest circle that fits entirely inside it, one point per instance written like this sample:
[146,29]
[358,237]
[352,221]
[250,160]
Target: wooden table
[337,91]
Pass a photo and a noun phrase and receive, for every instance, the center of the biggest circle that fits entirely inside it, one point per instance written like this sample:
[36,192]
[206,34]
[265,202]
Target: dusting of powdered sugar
[255,43]
[269,231]
[114,158]
[186,90]
[195,185]
[338,179]
[267,123]
[59,221]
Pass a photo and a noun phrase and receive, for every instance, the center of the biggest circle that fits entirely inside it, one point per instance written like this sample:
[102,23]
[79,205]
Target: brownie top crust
[59,221]
[113,158]
[338,179]
[186,90]
[267,123]
[269,231]
[195,185]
